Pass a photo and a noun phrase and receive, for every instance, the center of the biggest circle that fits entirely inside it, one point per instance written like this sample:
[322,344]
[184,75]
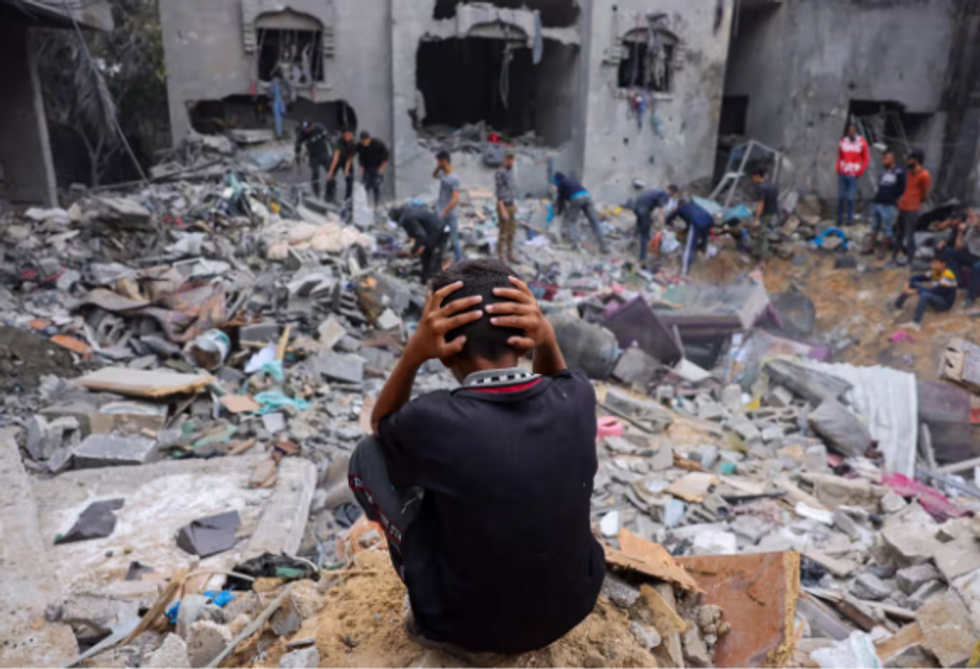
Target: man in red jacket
[852,160]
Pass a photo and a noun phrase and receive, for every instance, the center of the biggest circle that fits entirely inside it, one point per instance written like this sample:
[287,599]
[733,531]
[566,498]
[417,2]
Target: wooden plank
[648,558]
[143,383]
[957,467]
[758,594]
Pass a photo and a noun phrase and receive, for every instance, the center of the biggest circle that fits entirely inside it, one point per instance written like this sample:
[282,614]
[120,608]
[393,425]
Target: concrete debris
[725,451]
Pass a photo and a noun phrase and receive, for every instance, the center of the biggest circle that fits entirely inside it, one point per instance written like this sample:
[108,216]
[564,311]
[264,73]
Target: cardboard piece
[240,404]
[211,535]
[758,594]
[143,383]
[648,558]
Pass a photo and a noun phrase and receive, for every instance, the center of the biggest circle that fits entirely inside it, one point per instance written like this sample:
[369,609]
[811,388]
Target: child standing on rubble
[484,491]
[936,291]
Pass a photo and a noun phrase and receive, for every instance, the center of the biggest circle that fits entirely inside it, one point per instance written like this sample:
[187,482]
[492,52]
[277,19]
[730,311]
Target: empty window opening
[214,117]
[290,47]
[554,13]
[469,81]
[648,60]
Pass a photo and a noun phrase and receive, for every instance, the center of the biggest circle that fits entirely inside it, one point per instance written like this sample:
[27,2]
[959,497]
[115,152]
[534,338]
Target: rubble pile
[190,363]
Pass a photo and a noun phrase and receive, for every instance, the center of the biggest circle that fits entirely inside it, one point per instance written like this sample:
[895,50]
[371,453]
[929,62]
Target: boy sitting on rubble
[936,291]
[484,491]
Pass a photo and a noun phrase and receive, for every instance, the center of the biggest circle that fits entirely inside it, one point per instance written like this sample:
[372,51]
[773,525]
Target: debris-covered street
[194,351]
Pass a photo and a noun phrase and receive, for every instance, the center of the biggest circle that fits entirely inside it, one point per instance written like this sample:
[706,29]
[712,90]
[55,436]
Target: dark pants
[927,300]
[372,182]
[644,228]
[583,205]
[905,234]
[696,237]
[348,192]
[394,509]
[316,164]
[957,261]
[432,259]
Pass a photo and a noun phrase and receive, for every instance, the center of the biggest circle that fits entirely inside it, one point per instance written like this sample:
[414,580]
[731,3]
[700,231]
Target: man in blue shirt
[575,200]
[699,224]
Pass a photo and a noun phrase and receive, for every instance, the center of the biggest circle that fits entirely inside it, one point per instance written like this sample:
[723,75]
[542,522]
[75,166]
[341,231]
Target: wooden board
[758,593]
[693,487]
[648,558]
[143,383]
[240,404]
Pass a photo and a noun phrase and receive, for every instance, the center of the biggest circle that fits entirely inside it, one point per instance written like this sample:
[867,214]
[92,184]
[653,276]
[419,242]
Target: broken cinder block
[111,450]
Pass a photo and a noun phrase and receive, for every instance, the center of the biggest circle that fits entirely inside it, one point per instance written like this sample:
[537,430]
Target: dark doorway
[295,49]
[734,115]
[212,117]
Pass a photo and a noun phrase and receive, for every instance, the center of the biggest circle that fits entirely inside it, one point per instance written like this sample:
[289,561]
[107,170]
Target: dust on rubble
[362,625]
[25,357]
[856,315]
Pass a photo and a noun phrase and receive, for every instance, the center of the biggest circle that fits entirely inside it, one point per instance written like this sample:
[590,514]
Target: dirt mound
[25,357]
[362,625]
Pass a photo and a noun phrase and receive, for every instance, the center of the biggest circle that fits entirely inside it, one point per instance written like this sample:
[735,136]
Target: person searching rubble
[373,156]
[699,224]
[343,158]
[506,187]
[961,251]
[448,202]
[755,238]
[314,138]
[574,200]
[427,231]
[484,491]
[936,291]
[645,205]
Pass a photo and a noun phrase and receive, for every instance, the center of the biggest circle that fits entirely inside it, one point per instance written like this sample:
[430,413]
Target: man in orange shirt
[917,188]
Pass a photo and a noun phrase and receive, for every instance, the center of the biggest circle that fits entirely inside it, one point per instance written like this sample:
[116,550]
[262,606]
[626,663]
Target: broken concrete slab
[870,587]
[909,544]
[841,428]
[758,593]
[161,498]
[205,641]
[28,581]
[911,579]
[336,367]
[142,383]
[171,654]
[812,385]
[306,658]
[946,627]
[957,558]
[635,366]
[110,450]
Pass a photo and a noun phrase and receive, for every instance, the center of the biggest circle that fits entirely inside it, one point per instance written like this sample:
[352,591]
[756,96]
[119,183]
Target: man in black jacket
[428,232]
[314,138]
[484,491]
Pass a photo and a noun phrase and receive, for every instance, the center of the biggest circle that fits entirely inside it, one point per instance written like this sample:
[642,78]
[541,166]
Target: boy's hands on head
[522,312]
[429,340]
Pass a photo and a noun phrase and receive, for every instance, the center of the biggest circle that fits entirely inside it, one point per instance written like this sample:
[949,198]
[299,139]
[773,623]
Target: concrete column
[26,165]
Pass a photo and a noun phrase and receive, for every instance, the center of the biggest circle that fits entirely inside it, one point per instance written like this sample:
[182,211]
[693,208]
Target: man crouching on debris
[936,291]
[483,491]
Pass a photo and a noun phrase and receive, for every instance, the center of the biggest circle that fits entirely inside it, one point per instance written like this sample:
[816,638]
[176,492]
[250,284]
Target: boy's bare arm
[428,342]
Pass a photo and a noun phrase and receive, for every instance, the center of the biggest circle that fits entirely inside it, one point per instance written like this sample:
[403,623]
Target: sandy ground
[362,625]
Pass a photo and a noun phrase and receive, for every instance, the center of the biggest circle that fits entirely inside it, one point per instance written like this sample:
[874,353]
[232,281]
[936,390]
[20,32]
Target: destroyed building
[26,165]
[906,70]
[611,92]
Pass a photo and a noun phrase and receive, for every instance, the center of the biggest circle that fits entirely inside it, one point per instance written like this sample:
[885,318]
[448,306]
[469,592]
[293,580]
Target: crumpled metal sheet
[190,312]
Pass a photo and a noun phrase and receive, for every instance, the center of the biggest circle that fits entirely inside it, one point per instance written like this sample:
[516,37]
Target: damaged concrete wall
[26,169]
[802,62]
[206,57]
[558,82]
[617,151]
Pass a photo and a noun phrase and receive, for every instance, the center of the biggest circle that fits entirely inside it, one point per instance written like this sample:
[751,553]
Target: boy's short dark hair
[480,277]
[365,134]
[917,156]
[444,155]
[759,172]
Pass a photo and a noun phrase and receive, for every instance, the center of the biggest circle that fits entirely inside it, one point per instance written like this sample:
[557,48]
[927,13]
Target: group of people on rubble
[895,218]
